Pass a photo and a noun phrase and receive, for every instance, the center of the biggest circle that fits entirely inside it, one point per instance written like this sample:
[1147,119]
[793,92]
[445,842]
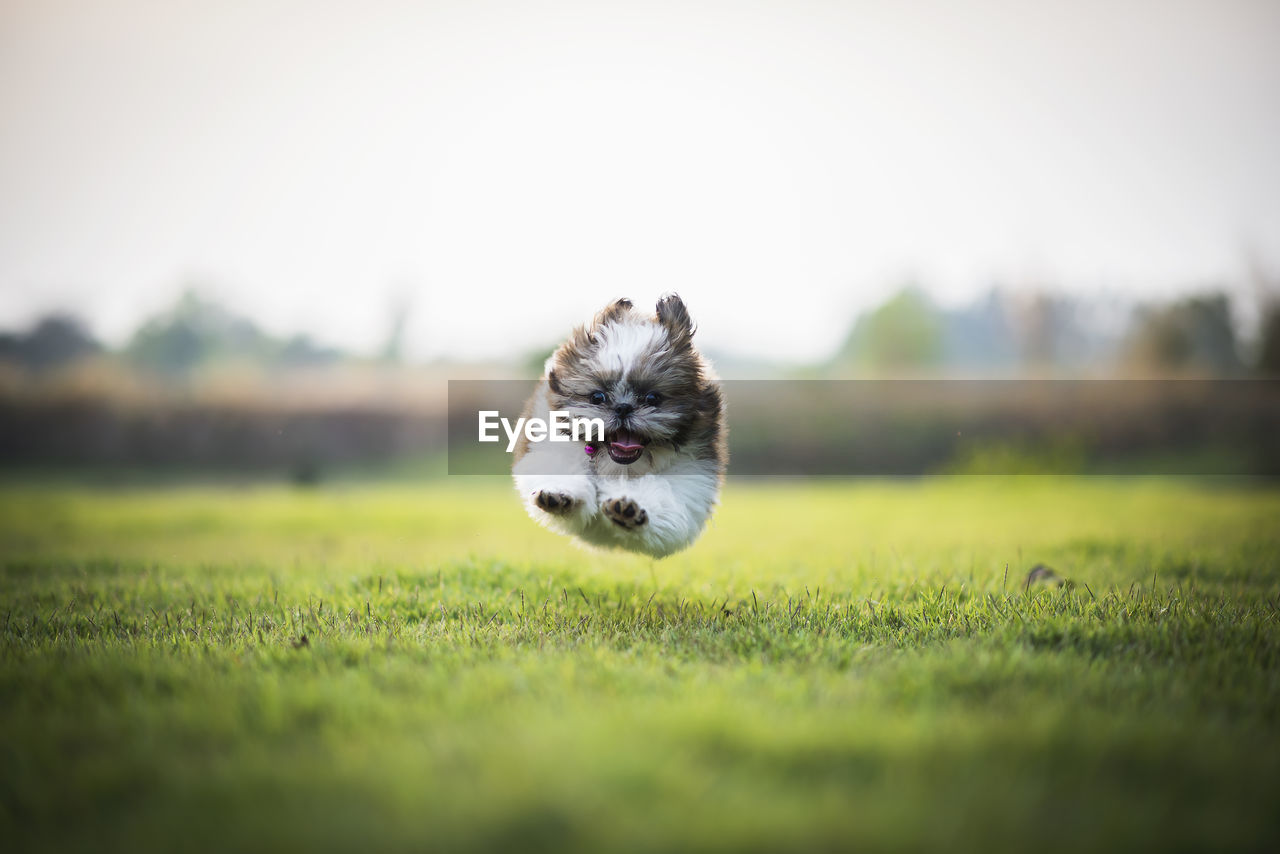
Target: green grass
[832,666]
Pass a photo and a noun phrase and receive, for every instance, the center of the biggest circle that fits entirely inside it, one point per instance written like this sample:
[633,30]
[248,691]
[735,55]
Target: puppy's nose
[624,409]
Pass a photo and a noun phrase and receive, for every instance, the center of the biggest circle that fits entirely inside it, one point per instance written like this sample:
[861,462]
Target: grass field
[832,666]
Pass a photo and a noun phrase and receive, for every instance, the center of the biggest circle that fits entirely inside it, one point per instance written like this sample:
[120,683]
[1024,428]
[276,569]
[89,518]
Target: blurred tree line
[1005,332]
[192,333]
[163,399]
[54,341]
[200,387]
[196,331]
[1001,332]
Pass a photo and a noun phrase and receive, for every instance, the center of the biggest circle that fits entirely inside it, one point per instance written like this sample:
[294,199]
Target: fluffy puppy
[651,485]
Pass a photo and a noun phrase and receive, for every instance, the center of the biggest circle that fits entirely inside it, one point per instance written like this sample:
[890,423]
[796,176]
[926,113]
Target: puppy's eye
[652,399]
[599,398]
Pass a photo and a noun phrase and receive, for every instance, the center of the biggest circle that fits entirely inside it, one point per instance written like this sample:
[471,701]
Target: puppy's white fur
[622,344]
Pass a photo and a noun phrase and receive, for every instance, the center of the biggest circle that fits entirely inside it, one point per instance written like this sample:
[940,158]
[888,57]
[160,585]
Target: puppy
[651,484]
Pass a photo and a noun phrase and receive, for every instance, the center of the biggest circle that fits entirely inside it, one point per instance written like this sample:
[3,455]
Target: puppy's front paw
[555,503]
[625,513]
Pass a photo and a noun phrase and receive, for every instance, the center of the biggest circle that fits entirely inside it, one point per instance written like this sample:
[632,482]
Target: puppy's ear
[584,338]
[613,311]
[674,317]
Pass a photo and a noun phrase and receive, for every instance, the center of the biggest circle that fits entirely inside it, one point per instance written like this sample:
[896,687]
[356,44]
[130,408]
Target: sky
[507,168]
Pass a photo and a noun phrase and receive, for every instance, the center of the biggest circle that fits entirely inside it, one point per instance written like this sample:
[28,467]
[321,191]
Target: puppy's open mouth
[625,447]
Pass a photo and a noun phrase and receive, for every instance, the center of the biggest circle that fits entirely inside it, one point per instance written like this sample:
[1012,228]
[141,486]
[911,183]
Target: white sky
[512,166]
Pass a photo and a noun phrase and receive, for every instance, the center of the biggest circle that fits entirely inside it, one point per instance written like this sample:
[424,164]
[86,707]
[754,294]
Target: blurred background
[258,239]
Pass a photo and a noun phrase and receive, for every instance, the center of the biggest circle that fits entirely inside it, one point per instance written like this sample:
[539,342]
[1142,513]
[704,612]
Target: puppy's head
[640,374]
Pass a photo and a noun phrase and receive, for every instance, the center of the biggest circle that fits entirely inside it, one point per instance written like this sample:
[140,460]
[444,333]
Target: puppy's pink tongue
[623,440]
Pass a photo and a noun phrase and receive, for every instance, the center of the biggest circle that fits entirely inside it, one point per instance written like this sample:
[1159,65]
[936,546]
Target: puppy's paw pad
[554,502]
[625,513]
